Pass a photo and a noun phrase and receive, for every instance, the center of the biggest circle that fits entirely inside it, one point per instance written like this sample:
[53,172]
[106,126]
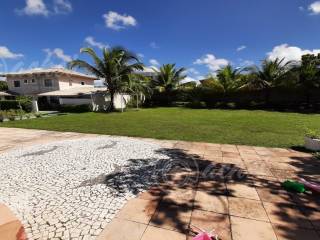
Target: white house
[60,86]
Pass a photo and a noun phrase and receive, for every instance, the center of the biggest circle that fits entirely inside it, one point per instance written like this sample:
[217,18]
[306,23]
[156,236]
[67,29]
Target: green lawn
[260,128]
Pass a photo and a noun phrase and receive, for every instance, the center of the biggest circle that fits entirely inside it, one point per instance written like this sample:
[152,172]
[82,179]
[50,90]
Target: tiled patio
[235,190]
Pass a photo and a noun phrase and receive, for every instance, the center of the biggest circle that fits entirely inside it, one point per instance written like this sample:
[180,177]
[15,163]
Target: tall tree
[137,85]
[114,68]
[3,86]
[228,78]
[271,73]
[308,74]
[168,78]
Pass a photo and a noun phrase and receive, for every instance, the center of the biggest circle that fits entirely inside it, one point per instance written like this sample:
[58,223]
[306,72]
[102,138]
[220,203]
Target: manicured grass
[259,128]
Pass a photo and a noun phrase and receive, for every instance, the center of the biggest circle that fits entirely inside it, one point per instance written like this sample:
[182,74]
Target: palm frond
[84,65]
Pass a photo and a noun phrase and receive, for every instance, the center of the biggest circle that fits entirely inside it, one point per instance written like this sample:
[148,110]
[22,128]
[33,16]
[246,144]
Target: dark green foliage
[3,86]
[168,78]
[276,85]
[75,108]
[9,104]
[23,104]
[196,104]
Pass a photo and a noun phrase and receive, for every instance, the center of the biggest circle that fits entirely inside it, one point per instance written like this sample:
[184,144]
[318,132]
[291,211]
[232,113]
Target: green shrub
[231,105]
[3,86]
[75,108]
[24,104]
[11,115]
[9,104]
[37,115]
[20,113]
[196,104]
[3,115]
[314,134]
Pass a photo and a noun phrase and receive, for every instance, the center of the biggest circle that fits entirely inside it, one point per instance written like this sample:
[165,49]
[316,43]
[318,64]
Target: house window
[16,84]
[33,81]
[25,81]
[82,83]
[48,83]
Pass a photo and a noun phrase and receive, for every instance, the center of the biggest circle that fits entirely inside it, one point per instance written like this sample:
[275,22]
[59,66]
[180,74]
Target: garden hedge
[25,104]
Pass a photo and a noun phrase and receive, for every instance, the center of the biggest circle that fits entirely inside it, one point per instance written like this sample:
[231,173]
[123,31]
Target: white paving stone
[70,189]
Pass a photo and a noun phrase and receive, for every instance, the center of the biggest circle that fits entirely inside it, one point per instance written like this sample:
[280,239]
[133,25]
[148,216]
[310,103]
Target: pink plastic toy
[311,185]
[203,235]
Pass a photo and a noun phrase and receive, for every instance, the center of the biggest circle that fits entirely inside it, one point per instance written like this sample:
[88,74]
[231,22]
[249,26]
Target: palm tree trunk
[267,97]
[111,105]
[307,93]
[121,102]
[137,101]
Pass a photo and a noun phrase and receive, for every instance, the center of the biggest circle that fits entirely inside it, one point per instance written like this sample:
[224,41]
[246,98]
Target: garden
[19,109]
[274,104]
[240,111]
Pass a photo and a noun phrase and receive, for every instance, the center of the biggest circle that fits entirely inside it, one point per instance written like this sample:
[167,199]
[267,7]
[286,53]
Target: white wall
[81,101]
[74,101]
[117,100]
[66,82]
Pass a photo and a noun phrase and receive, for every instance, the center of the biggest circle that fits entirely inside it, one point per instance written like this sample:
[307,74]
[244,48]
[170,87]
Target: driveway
[70,185]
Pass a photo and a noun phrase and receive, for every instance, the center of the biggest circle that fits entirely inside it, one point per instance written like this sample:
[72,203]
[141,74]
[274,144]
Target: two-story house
[35,82]
[59,86]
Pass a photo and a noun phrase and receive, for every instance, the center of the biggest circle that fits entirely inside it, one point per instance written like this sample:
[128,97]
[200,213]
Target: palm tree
[270,74]
[114,68]
[228,78]
[168,78]
[139,86]
[307,74]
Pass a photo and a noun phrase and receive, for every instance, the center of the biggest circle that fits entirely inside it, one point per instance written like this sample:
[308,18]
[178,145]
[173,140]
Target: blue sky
[201,35]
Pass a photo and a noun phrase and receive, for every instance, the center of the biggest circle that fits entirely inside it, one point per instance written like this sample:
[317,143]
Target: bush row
[75,108]
[23,104]
[275,98]
[16,114]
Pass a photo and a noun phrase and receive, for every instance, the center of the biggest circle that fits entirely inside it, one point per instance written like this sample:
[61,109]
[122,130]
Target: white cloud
[314,7]
[6,53]
[38,7]
[212,62]
[154,62]
[301,8]
[243,47]
[290,53]
[154,45]
[192,71]
[150,68]
[193,79]
[140,55]
[117,21]
[58,53]
[92,42]
[34,7]
[62,6]
[245,63]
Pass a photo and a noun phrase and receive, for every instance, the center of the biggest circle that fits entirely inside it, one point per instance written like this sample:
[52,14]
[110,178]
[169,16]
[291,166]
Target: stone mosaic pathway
[69,189]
